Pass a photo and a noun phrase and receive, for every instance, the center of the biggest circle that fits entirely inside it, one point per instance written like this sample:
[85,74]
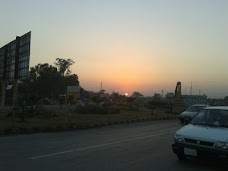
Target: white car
[190,112]
[205,136]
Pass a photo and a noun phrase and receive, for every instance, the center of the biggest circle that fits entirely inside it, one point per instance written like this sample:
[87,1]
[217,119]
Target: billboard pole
[15,81]
[15,92]
[3,92]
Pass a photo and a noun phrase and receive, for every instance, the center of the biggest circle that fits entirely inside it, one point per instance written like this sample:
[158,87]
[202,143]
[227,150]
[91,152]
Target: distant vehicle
[206,135]
[190,112]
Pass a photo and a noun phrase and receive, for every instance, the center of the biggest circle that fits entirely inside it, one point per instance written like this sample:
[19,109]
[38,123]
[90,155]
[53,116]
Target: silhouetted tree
[136,94]
[48,81]
[63,65]
[72,80]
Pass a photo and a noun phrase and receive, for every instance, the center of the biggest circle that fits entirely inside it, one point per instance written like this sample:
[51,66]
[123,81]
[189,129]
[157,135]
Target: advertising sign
[14,59]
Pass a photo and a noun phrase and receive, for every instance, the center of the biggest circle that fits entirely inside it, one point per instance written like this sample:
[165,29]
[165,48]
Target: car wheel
[181,156]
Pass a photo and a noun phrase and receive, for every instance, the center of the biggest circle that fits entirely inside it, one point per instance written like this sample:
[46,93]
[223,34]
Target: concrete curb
[59,128]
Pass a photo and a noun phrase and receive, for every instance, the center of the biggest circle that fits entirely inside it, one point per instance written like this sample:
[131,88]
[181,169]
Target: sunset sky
[128,45]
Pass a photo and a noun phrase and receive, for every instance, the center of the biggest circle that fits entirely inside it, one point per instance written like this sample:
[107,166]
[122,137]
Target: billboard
[73,94]
[14,59]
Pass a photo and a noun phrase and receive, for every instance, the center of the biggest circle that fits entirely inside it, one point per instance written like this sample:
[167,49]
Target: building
[189,100]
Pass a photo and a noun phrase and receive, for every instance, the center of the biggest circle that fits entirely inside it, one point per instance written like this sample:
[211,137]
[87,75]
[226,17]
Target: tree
[46,80]
[71,80]
[130,99]
[63,65]
[136,94]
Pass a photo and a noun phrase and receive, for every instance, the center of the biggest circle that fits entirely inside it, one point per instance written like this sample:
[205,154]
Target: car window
[213,117]
[200,108]
[192,109]
[195,108]
[200,117]
[223,117]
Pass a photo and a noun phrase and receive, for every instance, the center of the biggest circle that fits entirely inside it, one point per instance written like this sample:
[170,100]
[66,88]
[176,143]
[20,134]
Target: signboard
[14,59]
[73,89]
[73,93]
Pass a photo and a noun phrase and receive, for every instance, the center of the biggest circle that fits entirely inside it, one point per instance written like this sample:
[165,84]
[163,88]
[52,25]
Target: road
[135,146]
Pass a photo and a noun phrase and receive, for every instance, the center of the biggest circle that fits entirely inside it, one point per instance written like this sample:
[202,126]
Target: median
[54,119]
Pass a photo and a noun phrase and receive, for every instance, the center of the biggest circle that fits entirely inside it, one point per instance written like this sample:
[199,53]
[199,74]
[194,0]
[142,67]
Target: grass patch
[65,117]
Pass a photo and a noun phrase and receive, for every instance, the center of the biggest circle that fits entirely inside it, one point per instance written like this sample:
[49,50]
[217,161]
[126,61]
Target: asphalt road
[135,146]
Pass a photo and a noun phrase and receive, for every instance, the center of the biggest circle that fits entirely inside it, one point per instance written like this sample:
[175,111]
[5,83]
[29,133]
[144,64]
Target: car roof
[217,107]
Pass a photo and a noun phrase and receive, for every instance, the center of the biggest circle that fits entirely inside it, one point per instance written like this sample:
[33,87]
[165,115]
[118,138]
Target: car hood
[187,113]
[204,133]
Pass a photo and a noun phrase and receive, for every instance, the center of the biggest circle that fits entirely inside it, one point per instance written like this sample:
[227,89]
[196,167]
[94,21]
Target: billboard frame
[14,60]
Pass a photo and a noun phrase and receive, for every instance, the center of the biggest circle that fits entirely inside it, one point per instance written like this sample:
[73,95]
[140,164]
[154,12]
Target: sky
[129,45]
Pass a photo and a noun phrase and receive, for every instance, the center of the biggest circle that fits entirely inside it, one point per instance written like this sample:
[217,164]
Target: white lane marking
[101,145]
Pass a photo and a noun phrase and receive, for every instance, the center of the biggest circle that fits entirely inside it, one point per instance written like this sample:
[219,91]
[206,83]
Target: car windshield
[212,117]
[195,108]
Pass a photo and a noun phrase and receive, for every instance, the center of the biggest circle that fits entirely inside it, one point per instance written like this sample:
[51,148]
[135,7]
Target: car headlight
[222,145]
[178,138]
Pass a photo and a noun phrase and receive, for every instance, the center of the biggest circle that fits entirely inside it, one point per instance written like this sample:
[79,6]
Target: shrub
[96,109]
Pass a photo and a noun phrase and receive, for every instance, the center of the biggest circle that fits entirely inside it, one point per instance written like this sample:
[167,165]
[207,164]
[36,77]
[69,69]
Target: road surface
[135,146]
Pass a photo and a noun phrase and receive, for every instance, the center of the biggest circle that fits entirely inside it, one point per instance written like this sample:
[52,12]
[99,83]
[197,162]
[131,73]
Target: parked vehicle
[205,136]
[190,112]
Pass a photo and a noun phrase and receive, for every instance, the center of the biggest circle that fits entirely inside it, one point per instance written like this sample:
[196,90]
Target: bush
[32,111]
[96,109]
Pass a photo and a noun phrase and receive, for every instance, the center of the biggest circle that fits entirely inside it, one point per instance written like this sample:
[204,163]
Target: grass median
[70,117]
